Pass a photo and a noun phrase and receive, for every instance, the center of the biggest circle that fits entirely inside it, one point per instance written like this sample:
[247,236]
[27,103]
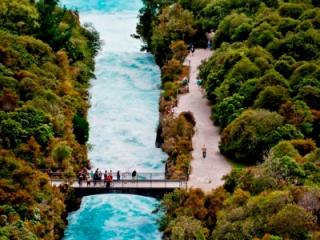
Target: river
[123,117]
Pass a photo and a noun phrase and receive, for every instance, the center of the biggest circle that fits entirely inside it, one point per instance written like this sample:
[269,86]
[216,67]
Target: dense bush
[177,134]
[249,136]
[46,61]
[263,83]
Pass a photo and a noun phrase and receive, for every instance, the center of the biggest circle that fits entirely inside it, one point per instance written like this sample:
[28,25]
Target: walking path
[206,173]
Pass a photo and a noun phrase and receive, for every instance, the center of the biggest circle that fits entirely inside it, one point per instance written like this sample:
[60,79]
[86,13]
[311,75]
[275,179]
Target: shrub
[227,110]
[61,152]
[310,95]
[11,133]
[43,134]
[292,10]
[170,90]
[283,168]
[179,50]
[271,98]
[187,228]
[263,35]
[171,70]
[81,128]
[293,221]
[249,136]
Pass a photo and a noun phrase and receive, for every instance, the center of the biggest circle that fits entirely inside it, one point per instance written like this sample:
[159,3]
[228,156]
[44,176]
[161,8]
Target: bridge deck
[134,184]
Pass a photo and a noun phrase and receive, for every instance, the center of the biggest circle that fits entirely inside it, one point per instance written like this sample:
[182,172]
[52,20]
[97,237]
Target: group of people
[98,177]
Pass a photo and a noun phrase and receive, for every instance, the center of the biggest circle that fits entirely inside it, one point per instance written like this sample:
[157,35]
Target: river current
[123,117]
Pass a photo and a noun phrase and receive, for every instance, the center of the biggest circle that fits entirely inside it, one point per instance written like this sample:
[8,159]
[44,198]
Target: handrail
[123,175]
[130,183]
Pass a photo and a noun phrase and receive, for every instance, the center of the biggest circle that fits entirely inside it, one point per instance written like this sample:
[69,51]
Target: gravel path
[206,172]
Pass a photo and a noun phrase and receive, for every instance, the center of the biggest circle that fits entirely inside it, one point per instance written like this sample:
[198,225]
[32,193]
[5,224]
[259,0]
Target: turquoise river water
[123,117]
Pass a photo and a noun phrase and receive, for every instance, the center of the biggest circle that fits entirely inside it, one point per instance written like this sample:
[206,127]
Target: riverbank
[263,84]
[46,63]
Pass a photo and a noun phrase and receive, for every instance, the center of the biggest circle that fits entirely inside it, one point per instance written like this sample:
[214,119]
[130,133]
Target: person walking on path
[192,49]
[204,151]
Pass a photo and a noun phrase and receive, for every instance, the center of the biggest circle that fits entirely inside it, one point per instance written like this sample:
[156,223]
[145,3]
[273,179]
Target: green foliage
[301,46]
[190,215]
[49,24]
[18,126]
[263,35]
[179,50]
[271,98]
[249,136]
[235,27]
[11,133]
[266,56]
[81,128]
[293,10]
[171,70]
[24,191]
[292,220]
[177,135]
[170,90]
[185,227]
[61,152]
[283,168]
[18,16]
[228,110]
[173,23]
[41,90]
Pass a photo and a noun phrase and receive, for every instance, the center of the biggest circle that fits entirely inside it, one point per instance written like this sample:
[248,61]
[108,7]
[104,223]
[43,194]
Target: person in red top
[109,180]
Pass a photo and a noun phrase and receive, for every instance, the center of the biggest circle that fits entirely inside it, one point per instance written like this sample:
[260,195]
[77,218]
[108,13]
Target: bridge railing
[125,183]
[123,175]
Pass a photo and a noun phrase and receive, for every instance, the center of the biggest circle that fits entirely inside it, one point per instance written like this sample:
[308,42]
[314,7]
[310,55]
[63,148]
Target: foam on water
[114,217]
[123,113]
[123,118]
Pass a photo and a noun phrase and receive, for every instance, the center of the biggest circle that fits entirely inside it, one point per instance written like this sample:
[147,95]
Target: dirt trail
[206,172]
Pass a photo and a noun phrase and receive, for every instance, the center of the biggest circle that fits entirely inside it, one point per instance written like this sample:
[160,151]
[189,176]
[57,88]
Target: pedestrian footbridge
[144,184]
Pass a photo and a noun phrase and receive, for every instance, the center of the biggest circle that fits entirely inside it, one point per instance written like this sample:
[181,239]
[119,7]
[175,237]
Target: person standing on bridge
[109,180]
[105,176]
[118,175]
[96,176]
[89,179]
[134,174]
[80,178]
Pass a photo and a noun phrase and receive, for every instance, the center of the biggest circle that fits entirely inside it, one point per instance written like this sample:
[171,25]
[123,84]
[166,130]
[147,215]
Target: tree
[61,152]
[81,128]
[248,137]
[187,228]
[8,100]
[174,23]
[271,98]
[179,50]
[11,133]
[283,168]
[299,114]
[292,221]
[49,19]
[227,110]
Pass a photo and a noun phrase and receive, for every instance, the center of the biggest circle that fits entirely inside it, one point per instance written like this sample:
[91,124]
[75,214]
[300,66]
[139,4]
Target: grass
[236,165]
